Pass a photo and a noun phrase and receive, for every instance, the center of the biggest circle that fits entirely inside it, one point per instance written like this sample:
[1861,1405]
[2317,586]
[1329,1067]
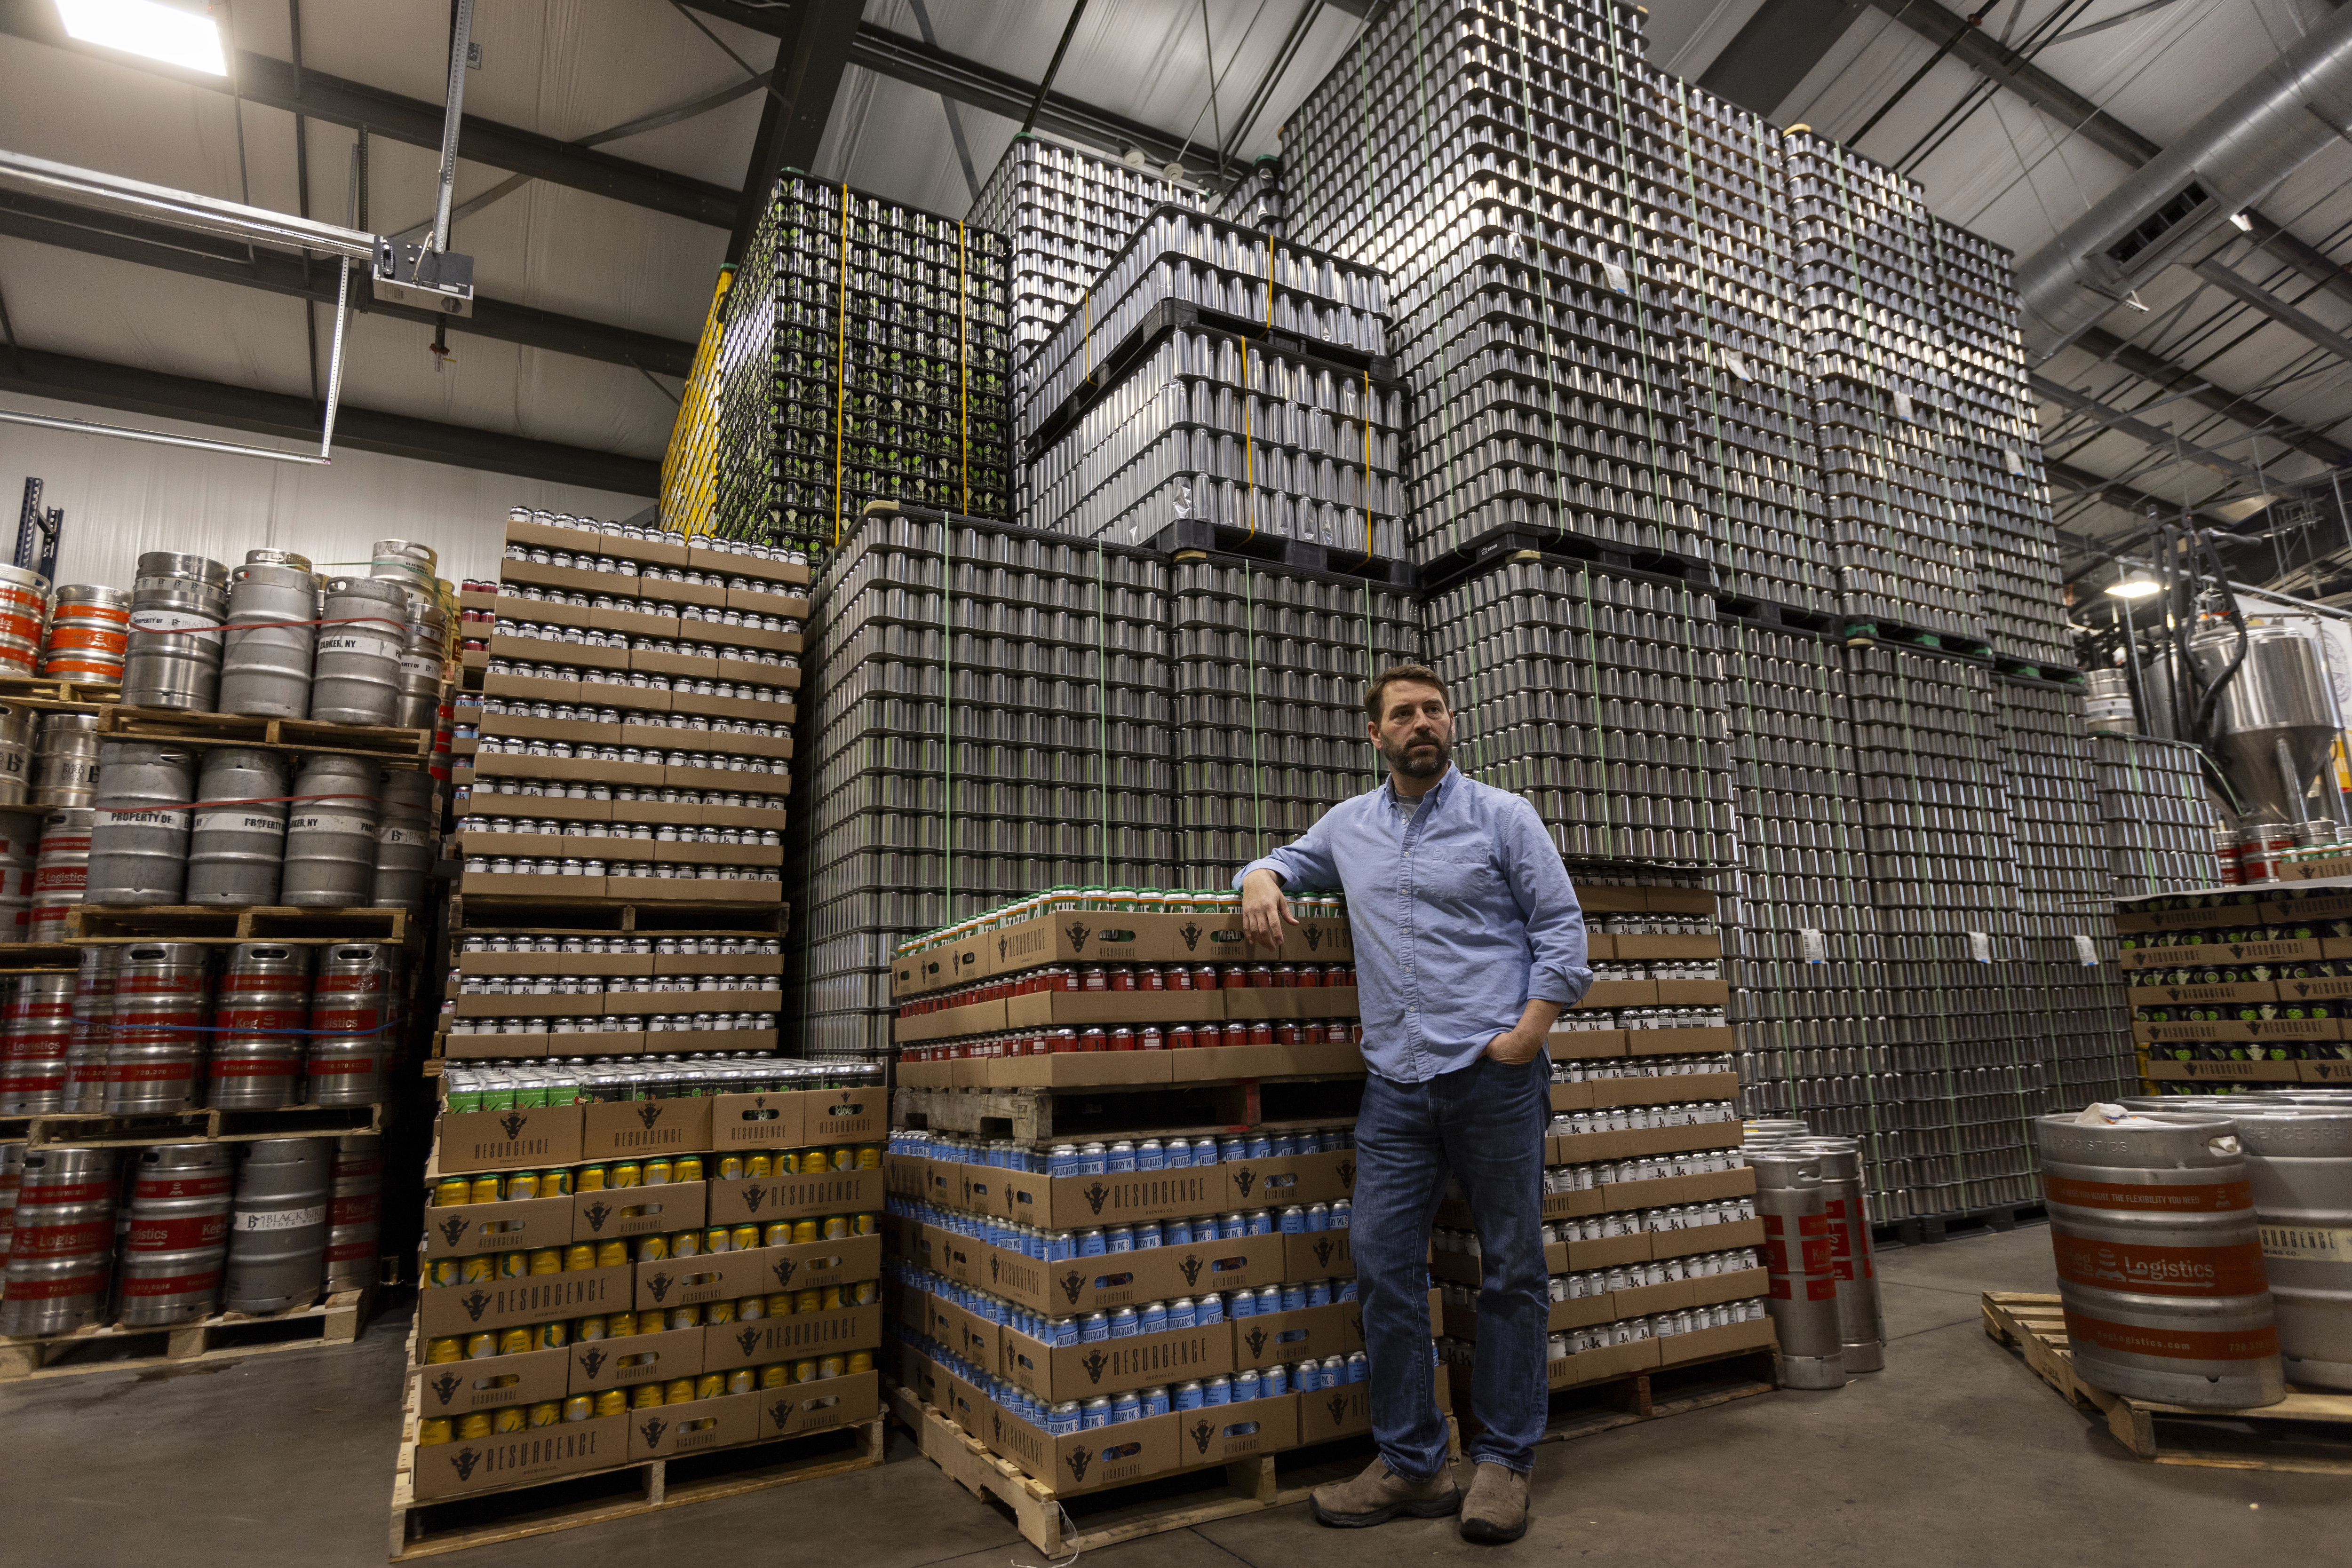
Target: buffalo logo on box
[1072,1284]
[1348,1173]
[653,1429]
[1323,1250]
[1202,1431]
[749,1339]
[781,1412]
[659,1286]
[591,1361]
[782,1268]
[1257,1340]
[1313,936]
[1094,1364]
[753,1197]
[465,1459]
[995,1268]
[474,1301]
[649,1112]
[1337,1406]
[1095,1196]
[596,1213]
[1358,1319]
[1246,1178]
[1191,935]
[1077,1459]
[513,1124]
[1191,1267]
[454,1228]
[1076,932]
[446,1387]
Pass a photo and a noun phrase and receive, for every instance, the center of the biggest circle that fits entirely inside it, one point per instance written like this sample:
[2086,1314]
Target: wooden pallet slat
[381,742]
[78,1129]
[2281,1437]
[224,1336]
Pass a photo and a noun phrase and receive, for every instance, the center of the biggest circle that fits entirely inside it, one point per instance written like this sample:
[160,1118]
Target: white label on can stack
[2083,950]
[1812,946]
[253,1223]
[238,821]
[1737,365]
[1616,276]
[329,823]
[203,628]
[1902,406]
[2011,461]
[1980,946]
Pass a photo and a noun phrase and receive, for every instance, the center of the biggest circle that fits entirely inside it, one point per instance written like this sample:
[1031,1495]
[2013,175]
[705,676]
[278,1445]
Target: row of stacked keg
[145,1028]
[1823,1302]
[182,1231]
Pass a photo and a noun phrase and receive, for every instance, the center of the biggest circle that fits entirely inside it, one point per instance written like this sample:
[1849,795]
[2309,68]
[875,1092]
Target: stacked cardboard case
[619,1272]
[1188,1292]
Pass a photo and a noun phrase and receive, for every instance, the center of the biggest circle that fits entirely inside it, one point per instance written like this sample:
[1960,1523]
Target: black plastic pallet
[1255,547]
[1764,612]
[1927,1230]
[1862,631]
[1560,544]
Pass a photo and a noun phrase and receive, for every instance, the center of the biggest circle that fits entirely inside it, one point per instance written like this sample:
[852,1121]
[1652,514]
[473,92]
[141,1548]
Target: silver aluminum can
[238,838]
[172,659]
[267,647]
[331,834]
[138,838]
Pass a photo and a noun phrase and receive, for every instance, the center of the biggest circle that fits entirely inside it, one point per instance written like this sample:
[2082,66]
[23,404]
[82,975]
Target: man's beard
[1423,764]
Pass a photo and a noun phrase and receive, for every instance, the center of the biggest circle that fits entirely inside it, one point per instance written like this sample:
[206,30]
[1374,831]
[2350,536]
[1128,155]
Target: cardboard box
[450,1311]
[831,1117]
[1141,938]
[1736,1286]
[1591,1365]
[2335,1071]
[1069,1202]
[508,1140]
[1706,1238]
[622,1211]
[760,1271]
[2333,988]
[758,1199]
[830,1402]
[559,963]
[1704,1041]
[519,1458]
[2266,1031]
[457,1388]
[1264,1340]
[1125,1279]
[1218,1435]
[1092,1460]
[1055,1373]
[970,1335]
[2231,1071]
[666,890]
[2228,956]
[1318,1255]
[601,1363]
[462,1229]
[669,1431]
[494,1047]
[1579,1148]
[1279,1183]
[1704,1344]
[639,1129]
[2241,991]
[800,1337]
[744,1123]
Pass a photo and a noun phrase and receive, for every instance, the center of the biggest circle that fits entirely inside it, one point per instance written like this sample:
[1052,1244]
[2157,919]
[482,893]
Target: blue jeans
[1484,1125]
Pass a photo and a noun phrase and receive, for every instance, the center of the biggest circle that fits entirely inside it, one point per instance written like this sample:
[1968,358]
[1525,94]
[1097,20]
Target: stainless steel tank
[65,759]
[2276,718]
[2159,1259]
[177,605]
[355,1211]
[172,1253]
[404,839]
[162,1008]
[2299,1160]
[138,838]
[331,834]
[1801,1254]
[278,1228]
[356,679]
[88,631]
[261,1017]
[61,1253]
[237,841]
[60,872]
[267,647]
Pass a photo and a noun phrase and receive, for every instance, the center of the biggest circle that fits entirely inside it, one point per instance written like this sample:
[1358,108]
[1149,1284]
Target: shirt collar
[1436,790]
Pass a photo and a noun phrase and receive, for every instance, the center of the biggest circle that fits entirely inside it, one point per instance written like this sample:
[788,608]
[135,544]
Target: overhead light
[2243,221]
[2135,588]
[151,28]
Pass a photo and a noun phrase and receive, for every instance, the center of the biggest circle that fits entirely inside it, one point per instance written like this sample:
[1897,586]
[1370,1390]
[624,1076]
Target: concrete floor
[1955,1455]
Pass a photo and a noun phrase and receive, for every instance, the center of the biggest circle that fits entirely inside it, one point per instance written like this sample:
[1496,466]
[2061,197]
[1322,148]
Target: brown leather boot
[1380,1494]
[1496,1510]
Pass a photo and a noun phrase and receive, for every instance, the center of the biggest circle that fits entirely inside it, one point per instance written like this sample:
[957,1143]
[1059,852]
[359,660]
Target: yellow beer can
[717,1312]
[556,1183]
[778,1234]
[513,1265]
[763,1166]
[587,1329]
[579,1408]
[831,1365]
[620,1326]
[441,1271]
[588,1178]
[869,1156]
[740,1381]
[806,1231]
[657,1173]
[613,1402]
[719,1239]
[554,1335]
[730,1168]
[432,1429]
[646,1396]
[780,1304]
[515,1342]
[751,1309]
[611,1253]
[685,1243]
[809,1301]
[652,1248]
[448,1193]
[837,1228]
[510,1418]
[522,1185]
[804,1372]
[486,1188]
[579,1255]
[686,1167]
[474,1426]
[865,1224]
[680,1391]
[686,1317]
[711,1386]
[439,1351]
[625,1173]
[547,1261]
[482,1346]
[775,1375]
[477,1268]
[860,1361]
[743,1237]
[547,1413]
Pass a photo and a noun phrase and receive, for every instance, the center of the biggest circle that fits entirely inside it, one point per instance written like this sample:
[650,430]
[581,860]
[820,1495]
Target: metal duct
[2223,164]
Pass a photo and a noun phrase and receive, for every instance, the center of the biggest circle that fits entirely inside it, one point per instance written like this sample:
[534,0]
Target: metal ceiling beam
[2008,68]
[63,377]
[276,84]
[812,52]
[2245,411]
[2309,260]
[2112,491]
[2123,423]
[172,250]
[2247,292]
[1777,49]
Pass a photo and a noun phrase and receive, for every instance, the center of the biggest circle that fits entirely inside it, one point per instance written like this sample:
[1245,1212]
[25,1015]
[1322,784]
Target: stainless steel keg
[354,1014]
[60,872]
[267,644]
[16,753]
[1861,1326]
[65,759]
[177,1242]
[237,841]
[404,839]
[156,1052]
[93,1026]
[61,1250]
[355,1211]
[2159,1260]
[331,834]
[356,678]
[24,618]
[1802,1255]
[88,631]
[39,1027]
[261,1017]
[139,837]
[277,1227]
[12,1179]
[20,858]
[177,605]
[425,646]
[2299,1163]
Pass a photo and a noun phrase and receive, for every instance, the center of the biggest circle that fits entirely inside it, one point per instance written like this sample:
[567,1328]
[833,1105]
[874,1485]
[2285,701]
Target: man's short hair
[1376,693]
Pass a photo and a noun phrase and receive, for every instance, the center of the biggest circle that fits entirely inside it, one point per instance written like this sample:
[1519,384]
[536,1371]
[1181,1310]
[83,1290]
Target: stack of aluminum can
[989,716]
[2154,815]
[1269,665]
[1063,213]
[867,359]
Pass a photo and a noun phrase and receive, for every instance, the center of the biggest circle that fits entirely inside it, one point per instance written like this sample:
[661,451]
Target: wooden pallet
[512,1513]
[55,696]
[224,1336]
[93,924]
[1062,1527]
[1588,1409]
[1161,1110]
[396,747]
[38,958]
[2307,1431]
[80,1129]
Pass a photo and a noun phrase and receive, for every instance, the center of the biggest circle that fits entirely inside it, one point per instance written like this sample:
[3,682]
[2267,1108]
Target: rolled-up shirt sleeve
[1557,970]
[1307,861]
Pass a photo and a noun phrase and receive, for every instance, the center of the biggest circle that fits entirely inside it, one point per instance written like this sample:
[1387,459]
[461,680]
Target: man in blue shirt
[1468,945]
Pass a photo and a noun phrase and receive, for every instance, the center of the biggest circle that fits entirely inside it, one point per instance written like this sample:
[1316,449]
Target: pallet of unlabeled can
[336,1319]
[89,924]
[78,1129]
[412,747]
[2307,1431]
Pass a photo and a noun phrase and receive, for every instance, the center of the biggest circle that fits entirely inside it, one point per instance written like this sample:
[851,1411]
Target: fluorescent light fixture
[2135,588]
[2243,221]
[188,39]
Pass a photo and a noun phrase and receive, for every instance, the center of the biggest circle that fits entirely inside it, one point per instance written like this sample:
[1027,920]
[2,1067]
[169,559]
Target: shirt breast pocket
[1458,875]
